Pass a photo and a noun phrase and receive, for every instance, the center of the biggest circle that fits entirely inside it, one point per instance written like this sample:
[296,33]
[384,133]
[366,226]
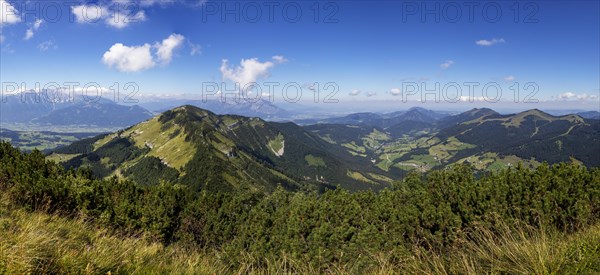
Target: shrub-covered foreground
[516,221]
[41,243]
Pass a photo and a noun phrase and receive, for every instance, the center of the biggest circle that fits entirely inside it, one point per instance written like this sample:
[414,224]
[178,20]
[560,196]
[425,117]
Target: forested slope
[450,212]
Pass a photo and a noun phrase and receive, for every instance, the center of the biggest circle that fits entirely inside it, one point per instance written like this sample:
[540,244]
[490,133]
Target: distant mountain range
[65,110]
[102,114]
[590,114]
[415,114]
[261,108]
[62,110]
[424,140]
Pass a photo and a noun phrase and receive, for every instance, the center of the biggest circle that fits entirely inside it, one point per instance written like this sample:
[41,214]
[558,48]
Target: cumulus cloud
[129,59]
[8,14]
[31,31]
[370,94]
[164,50]
[140,58]
[486,43]
[567,95]
[571,95]
[249,70]
[354,93]
[447,64]
[395,91]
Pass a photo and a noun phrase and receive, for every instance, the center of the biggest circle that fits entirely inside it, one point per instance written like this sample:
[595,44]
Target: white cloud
[585,97]
[485,42]
[89,13]
[354,93]
[37,24]
[28,34]
[370,94]
[472,99]
[509,78]
[113,15]
[47,45]
[8,14]
[129,59]
[567,95]
[121,20]
[395,91]
[139,58]
[571,95]
[91,90]
[250,70]
[31,31]
[446,64]
[165,49]
[279,59]
[120,13]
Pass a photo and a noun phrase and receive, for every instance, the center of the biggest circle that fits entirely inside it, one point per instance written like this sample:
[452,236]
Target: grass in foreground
[42,243]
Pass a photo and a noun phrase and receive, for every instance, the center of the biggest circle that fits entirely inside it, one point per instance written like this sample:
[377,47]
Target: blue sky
[370,49]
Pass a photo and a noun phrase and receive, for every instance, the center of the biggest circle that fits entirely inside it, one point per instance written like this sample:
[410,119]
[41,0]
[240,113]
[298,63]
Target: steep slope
[532,134]
[198,148]
[491,141]
[416,114]
[482,137]
[466,116]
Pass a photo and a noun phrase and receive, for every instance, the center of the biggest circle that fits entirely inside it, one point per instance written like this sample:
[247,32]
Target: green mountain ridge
[482,137]
[192,146]
[195,147]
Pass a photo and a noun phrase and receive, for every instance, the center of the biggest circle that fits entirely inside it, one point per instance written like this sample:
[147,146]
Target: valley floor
[36,243]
